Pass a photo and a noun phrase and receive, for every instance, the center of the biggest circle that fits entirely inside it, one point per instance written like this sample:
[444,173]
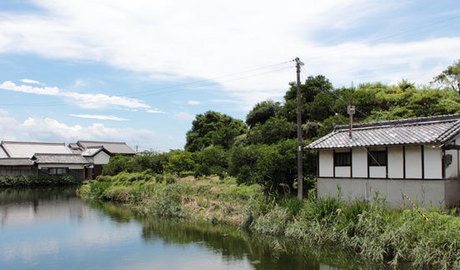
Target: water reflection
[53,229]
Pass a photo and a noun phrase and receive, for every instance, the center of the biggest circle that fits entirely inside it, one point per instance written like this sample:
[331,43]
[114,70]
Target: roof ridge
[24,142]
[100,142]
[402,122]
[57,154]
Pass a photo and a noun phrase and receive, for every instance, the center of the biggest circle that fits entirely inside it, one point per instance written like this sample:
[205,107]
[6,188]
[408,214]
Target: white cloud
[50,129]
[30,81]
[184,116]
[165,39]
[90,101]
[193,102]
[99,117]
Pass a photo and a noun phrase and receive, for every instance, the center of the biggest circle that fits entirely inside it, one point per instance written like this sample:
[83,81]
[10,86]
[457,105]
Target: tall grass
[371,230]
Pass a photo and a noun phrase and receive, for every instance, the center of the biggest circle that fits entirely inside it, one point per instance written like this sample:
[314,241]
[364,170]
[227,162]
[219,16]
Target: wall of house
[69,166]
[437,193]
[359,162]
[432,156]
[395,162]
[101,158]
[411,156]
[413,162]
[17,170]
[326,163]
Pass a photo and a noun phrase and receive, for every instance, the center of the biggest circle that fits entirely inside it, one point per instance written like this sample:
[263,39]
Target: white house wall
[326,163]
[395,162]
[377,171]
[452,169]
[414,162]
[438,193]
[342,171]
[101,158]
[69,166]
[359,162]
[432,162]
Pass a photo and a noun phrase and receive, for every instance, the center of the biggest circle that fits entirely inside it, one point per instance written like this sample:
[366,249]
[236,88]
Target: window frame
[373,159]
[336,159]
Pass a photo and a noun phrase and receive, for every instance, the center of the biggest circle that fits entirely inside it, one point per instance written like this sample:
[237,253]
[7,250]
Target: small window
[377,158]
[57,170]
[342,159]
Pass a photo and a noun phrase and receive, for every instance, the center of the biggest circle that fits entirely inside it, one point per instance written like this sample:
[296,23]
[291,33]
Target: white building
[417,158]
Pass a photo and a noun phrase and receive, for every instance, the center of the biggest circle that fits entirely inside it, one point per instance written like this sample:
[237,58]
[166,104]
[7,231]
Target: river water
[54,229]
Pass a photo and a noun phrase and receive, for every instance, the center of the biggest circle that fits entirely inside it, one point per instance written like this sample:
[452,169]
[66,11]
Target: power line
[207,82]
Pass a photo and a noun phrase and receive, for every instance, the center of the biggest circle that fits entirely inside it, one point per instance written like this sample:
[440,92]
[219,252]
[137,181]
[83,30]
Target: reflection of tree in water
[233,244]
[22,195]
[63,200]
[261,252]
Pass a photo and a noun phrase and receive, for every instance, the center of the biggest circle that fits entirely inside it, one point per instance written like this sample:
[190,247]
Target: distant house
[416,157]
[83,159]
[112,148]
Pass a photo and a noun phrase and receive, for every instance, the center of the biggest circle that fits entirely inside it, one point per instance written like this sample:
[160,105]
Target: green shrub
[38,180]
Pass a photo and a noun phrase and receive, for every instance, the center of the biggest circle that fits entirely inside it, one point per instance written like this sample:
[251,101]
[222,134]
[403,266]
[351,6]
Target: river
[53,229]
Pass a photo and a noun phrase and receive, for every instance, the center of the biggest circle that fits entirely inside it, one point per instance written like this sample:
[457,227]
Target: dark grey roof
[111,147]
[59,159]
[16,162]
[422,130]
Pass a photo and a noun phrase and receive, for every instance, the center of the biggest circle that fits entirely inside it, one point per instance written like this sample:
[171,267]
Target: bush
[180,162]
[38,180]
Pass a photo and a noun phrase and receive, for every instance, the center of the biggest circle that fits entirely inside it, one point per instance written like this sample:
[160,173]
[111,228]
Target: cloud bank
[171,39]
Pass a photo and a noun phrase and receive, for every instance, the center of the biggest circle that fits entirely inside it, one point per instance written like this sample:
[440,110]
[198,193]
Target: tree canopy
[450,77]
[213,128]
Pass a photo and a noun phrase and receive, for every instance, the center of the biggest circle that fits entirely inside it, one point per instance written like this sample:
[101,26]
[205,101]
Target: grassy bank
[371,230]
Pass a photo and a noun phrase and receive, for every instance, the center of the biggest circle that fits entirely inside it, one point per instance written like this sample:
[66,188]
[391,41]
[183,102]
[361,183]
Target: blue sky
[139,71]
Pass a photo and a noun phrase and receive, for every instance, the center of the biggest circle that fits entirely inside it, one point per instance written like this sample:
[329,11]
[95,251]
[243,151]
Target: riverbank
[370,230]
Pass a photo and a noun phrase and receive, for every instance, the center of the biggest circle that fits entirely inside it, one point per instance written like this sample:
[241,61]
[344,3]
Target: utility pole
[299,132]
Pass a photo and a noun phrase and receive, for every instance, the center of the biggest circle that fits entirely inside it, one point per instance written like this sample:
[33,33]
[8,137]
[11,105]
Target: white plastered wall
[432,156]
[359,162]
[395,162]
[326,163]
[101,158]
[414,162]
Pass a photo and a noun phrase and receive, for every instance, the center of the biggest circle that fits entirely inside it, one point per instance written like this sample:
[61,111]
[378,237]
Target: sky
[139,71]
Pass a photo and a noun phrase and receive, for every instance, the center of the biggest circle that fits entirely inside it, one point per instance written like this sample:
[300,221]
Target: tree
[310,89]
[450,77]
[211,161]
[262,112]
[213,128]
[180,162]
[272,131]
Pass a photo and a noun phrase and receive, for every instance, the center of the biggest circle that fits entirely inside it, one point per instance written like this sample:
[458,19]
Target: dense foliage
[213,128]
[38,180]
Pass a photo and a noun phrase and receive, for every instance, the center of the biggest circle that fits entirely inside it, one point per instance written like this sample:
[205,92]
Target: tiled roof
[423,130]
[42,158]
[28,149]
[112,147]
[16,162]
[90,152]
